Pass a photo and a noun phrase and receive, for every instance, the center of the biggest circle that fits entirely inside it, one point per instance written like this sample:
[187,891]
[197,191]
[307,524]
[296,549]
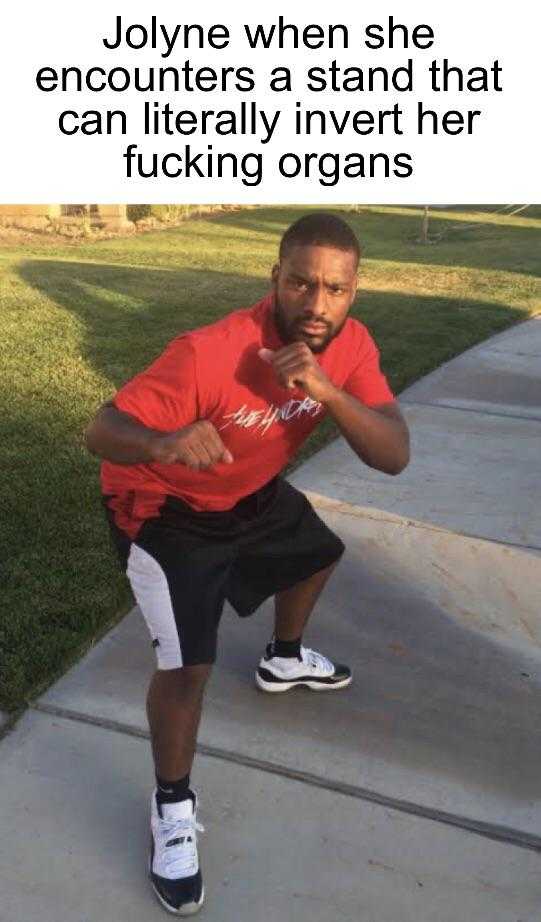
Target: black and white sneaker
[174,864]
[311,669]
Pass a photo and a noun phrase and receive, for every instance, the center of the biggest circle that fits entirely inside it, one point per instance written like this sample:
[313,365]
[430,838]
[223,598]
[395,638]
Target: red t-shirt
[215,373]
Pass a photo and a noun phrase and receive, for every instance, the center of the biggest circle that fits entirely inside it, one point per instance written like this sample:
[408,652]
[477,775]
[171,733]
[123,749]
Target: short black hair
[320,228]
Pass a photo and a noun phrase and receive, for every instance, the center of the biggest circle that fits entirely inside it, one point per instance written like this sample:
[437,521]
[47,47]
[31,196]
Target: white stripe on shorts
[151,591]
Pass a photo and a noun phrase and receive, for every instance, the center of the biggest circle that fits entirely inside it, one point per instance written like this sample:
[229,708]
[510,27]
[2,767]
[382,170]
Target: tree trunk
[424,226]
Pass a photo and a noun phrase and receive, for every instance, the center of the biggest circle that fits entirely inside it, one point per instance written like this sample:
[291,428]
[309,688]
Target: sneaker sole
[277,687]
[189,909]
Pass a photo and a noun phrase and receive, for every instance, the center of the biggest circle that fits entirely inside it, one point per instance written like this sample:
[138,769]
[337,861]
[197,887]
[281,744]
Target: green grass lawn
[78,320]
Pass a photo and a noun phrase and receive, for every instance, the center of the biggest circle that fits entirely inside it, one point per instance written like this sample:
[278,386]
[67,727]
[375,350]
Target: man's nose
[317,300]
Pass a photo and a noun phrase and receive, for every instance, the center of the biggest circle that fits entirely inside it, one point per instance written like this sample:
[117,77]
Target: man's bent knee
[185,680]
[325,572]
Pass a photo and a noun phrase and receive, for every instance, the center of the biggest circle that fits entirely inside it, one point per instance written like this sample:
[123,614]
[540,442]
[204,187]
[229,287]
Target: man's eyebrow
[298,275]
[333,283]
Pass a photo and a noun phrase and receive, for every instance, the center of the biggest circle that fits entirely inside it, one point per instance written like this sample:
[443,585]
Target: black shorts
[184,564]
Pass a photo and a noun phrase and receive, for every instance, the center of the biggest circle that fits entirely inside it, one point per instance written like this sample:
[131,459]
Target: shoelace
[180,857]
[316,660]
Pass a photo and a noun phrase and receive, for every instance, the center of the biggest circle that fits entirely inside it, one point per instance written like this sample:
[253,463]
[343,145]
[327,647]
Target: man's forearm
[119,438]
[380,440]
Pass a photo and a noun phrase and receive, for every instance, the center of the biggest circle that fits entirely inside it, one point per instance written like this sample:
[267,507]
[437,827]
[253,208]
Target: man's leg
[174,702]
[287,663]
[294,606]
[180,600]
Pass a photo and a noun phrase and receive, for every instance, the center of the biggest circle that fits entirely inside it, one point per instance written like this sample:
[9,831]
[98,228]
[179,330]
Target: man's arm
[122,439]
[119,437]
[378,435]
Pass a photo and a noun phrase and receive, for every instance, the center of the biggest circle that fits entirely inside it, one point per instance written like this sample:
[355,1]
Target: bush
[172,214]
[136,212]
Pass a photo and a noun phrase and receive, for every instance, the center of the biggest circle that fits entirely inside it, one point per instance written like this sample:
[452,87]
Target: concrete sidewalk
[413,795]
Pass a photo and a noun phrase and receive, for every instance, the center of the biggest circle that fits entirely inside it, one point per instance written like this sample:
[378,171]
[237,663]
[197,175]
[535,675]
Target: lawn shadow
[129,314]
[479,244]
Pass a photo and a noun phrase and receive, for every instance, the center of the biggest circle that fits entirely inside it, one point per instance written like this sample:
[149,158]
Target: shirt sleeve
[164,395]
[367,382]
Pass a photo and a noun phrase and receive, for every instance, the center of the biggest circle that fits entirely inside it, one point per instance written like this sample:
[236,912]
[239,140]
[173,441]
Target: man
[193,449]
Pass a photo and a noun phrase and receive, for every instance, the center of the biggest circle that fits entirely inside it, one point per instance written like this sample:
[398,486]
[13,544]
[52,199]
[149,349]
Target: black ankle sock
[171,792]
[288,648]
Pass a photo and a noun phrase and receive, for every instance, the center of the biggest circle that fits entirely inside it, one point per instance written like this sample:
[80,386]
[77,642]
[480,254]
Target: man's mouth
[312,328]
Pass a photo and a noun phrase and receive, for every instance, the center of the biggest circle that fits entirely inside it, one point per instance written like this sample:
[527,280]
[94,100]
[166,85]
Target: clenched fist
[296,366]
[198,446]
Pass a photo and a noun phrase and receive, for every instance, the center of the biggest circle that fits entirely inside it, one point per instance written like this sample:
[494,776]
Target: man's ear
[274,273]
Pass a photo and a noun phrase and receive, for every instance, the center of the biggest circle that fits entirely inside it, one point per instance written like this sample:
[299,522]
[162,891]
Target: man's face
[314,289]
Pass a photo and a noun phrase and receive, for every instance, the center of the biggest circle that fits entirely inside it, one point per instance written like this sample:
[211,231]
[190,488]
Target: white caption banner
[379,102]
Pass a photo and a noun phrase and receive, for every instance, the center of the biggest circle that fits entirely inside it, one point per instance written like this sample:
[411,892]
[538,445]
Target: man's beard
[291,332]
